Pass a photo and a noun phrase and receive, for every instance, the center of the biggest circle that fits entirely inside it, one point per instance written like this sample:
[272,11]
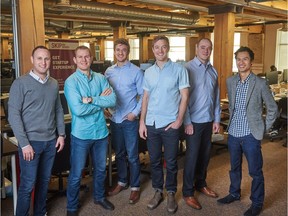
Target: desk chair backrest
[282,105]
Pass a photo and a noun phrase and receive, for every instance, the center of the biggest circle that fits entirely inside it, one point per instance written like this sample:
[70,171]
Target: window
[134,49]
[235,48]
[177,48]
[109,50]
[281,50]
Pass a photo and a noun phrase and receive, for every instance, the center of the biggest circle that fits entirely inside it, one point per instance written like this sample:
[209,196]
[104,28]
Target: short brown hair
[39,47]
[83,48]
[245,49]
[207,39]
[160,37]
[122,41]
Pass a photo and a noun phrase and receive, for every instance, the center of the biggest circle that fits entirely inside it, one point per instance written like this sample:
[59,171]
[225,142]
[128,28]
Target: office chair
[61,167]
[279,129]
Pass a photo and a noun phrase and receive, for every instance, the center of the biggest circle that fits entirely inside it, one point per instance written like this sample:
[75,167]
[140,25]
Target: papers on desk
[13,140]
[277,99]
[217,137]
[224,100]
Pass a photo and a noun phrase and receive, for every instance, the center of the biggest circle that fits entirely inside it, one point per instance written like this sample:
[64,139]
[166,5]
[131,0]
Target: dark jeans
[170,140]
[79,152]
[197,156]
[251,148]
[35,173]
[124,138]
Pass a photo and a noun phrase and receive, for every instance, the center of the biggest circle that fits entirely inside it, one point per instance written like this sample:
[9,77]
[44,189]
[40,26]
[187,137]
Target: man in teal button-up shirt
[87,94]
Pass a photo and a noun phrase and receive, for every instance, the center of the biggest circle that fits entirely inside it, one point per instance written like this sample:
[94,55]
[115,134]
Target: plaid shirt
[239,125]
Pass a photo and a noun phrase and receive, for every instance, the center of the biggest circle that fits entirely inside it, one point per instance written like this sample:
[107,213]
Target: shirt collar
[246,80]
[36,77]
[199,63]
[166,64]
[80,73]
[128,64]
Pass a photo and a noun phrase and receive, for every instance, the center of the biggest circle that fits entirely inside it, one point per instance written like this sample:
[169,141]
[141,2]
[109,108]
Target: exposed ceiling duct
[143,17]
[119,13]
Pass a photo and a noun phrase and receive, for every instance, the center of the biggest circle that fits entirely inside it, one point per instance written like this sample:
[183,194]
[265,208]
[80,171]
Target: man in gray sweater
[37,120]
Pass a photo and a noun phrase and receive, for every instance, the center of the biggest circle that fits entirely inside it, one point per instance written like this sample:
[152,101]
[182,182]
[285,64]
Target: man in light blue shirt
[202,117]
[164,104]
[87,94]
[126,79]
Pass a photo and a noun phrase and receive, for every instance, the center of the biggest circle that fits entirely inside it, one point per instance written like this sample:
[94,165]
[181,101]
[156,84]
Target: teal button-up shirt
[88,121]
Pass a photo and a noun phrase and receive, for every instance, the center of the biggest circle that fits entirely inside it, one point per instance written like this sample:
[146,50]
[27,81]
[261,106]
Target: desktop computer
[272,77]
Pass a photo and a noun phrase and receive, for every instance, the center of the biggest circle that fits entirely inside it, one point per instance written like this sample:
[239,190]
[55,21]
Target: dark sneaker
[253,211]
[156,200]
[228,199]
[171,203]
[106,204]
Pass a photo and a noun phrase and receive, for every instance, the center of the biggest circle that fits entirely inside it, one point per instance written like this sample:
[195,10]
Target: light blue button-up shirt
[127,82]
[204,99]
[163,87]
[88,121]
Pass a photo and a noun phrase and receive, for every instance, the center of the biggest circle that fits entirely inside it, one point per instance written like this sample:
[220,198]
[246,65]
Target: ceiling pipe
[181,6]
[118,12]
[256,6]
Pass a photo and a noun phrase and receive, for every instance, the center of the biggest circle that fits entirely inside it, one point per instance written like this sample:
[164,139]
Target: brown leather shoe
[117,189]
[208,192]
[192,202]
[134,197]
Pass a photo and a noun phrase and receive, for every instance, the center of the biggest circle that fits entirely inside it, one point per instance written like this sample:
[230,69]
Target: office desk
[11,150]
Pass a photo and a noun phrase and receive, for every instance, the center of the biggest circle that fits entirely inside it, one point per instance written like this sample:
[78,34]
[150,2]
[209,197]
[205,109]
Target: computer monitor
[285,72]
[272,77]
[145,66]
[135,62]
[98,67]
[65,106]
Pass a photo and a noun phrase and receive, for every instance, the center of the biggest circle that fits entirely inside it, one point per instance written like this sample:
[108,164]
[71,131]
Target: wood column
[119,32]
[223,48]
[31,31]
[63,35]
[190,45]
[101,43]
[204,35]
[92,49]
[143,48]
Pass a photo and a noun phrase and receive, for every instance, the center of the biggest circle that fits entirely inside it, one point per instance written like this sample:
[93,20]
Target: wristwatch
[90,101]
[62,135]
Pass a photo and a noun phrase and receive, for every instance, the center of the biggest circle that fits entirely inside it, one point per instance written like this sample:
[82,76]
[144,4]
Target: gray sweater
[35,110]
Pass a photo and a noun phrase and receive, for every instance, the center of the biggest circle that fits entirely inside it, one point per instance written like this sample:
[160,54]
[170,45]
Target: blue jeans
[35,174]
[124,138]
[251,148]
[79,152]
[197,156]
[170,140]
